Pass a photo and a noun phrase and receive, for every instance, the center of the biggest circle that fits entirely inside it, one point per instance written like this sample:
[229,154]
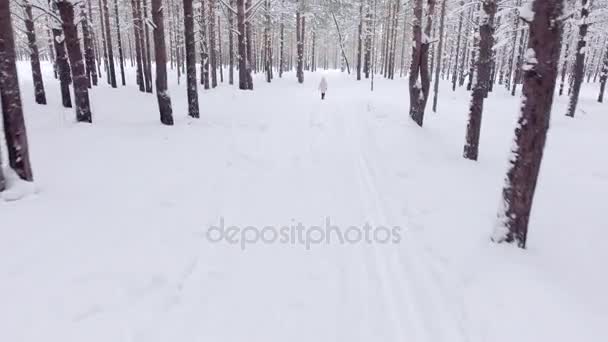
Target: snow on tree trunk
[579,59]
[39,94]
[63,67]
[160,52]
[79,77]
[419,81]
[12,110]
[539,79]
[191,90]
[482,79]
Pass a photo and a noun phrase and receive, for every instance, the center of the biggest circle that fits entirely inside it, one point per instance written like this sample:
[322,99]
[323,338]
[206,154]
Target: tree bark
[281,45]
[103,40]
[419,90]
[603,77]
[212,45]
[249,44]
[138,46]
[359,41]
[160,52]
[455,74]
[39,93]
[480,88]
[63,67]
[106,19]
[204,48]
[89,55]
[540,73]
[121,59]
[12,111]
[439,54]
[148,60]
[79,77]
[231,45]
[193,109]
[244,69]
[579,61]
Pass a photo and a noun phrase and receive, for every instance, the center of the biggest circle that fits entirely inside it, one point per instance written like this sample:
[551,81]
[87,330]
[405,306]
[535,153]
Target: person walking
[323,87]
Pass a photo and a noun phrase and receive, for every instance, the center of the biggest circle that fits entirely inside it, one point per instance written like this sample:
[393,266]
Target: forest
[127,125]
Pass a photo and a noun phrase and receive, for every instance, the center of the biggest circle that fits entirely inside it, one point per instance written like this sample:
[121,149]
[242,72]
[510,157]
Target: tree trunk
[103,40]
[220,65]
[79,77]
[439,55]
[12,111]
[204,48]
[480,88]
[138,46]
[162,95]
[299,46]
[242,46]
[455,74]
[231,45]
[267,42]
[564,68]
[540,73]
[121,59]
[517,75]
[603,77]
[212,45]
[148,60]
[249,43]
[341,43]
[89,55]
[193,110]
[281,45]
[579,61]
[359,41]
[63,67]
[419,89]
[106,18]
[39,94]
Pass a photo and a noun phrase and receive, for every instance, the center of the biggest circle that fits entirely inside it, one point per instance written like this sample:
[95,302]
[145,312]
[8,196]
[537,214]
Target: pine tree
[12,111]
[539,79]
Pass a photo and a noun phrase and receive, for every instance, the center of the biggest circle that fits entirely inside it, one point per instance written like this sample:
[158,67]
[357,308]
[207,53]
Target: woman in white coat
[323,87]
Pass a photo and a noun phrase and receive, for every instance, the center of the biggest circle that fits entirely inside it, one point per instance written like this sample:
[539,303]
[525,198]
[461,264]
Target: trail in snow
[113,245]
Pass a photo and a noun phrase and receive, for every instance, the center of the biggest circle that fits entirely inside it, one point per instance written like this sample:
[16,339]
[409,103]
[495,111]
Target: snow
[526,12]
[16,188]
[529,59]
[112,246]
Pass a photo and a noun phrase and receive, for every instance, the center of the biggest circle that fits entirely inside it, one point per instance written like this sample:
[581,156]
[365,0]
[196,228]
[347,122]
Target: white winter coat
[323,85]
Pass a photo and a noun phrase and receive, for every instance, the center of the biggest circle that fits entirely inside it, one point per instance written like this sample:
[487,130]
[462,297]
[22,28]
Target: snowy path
[113,247]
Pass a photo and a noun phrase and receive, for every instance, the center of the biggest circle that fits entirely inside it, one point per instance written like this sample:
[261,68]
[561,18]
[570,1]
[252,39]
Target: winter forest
[303,170]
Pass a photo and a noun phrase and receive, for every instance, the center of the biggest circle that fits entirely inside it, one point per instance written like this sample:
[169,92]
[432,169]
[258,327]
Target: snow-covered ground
[112,246]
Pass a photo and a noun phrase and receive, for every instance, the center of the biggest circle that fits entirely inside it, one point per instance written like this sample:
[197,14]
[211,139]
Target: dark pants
[322,96]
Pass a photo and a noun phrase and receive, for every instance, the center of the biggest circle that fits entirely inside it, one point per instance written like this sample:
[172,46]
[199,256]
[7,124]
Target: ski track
[401,292]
